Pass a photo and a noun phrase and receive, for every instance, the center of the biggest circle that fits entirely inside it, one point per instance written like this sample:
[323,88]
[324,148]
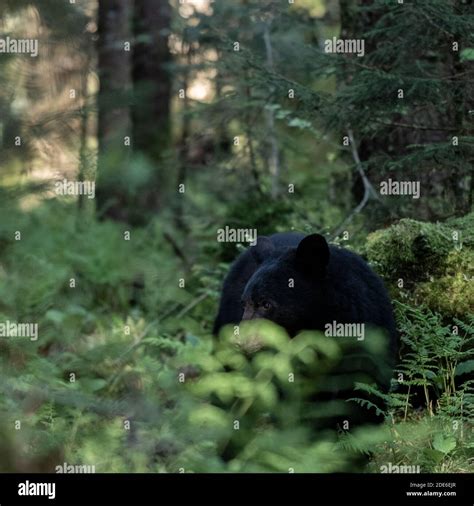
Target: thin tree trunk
[84,156]
[186,51]
[274,160]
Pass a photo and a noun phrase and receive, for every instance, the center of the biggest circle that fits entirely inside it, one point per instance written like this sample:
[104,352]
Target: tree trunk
[151,77]
[114,124]
[152,95]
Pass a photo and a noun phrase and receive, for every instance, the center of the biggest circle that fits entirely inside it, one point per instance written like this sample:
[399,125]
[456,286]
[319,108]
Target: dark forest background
[194,115]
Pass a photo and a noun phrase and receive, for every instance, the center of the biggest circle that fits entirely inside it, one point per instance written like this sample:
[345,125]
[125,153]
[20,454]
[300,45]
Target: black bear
[302,283]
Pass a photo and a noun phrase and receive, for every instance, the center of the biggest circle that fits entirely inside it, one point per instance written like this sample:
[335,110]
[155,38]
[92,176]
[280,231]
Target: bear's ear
[262,249]
[312,255]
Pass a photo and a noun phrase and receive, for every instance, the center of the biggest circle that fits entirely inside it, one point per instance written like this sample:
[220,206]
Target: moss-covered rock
[435,262]
[452,293]
[410,250]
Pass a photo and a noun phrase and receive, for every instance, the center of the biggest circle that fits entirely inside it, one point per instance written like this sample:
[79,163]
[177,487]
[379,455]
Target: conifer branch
[416,127]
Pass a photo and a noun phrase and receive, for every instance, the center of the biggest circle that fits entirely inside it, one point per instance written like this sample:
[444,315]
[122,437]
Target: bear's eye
[266,305]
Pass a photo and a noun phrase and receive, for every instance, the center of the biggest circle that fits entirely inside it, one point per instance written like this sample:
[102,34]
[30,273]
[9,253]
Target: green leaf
[55,316]
[464,367]
[433,455]
[299,123]
[467,54]
[92,384]
[444,444]
[192,339]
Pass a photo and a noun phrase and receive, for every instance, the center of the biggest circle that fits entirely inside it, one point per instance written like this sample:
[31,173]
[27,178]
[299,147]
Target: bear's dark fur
[302,283]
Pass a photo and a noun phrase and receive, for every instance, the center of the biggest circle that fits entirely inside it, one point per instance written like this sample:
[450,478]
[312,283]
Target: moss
[410,250]
[465,228]
[451,294]
[435,261]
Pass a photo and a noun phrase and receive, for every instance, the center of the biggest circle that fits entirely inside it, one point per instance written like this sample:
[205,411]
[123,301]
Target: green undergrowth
[126,376]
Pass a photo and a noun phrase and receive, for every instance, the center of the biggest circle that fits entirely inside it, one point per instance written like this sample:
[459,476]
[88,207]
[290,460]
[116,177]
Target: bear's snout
[249,313]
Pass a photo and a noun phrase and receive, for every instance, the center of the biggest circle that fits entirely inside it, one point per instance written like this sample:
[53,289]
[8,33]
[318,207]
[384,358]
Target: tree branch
[416,127]
[369,191]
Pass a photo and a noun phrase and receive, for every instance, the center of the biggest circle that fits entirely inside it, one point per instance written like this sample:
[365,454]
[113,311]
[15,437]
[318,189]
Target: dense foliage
[125,374]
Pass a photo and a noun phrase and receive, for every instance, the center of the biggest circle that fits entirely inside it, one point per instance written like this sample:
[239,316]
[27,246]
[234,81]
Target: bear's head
[288,284]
